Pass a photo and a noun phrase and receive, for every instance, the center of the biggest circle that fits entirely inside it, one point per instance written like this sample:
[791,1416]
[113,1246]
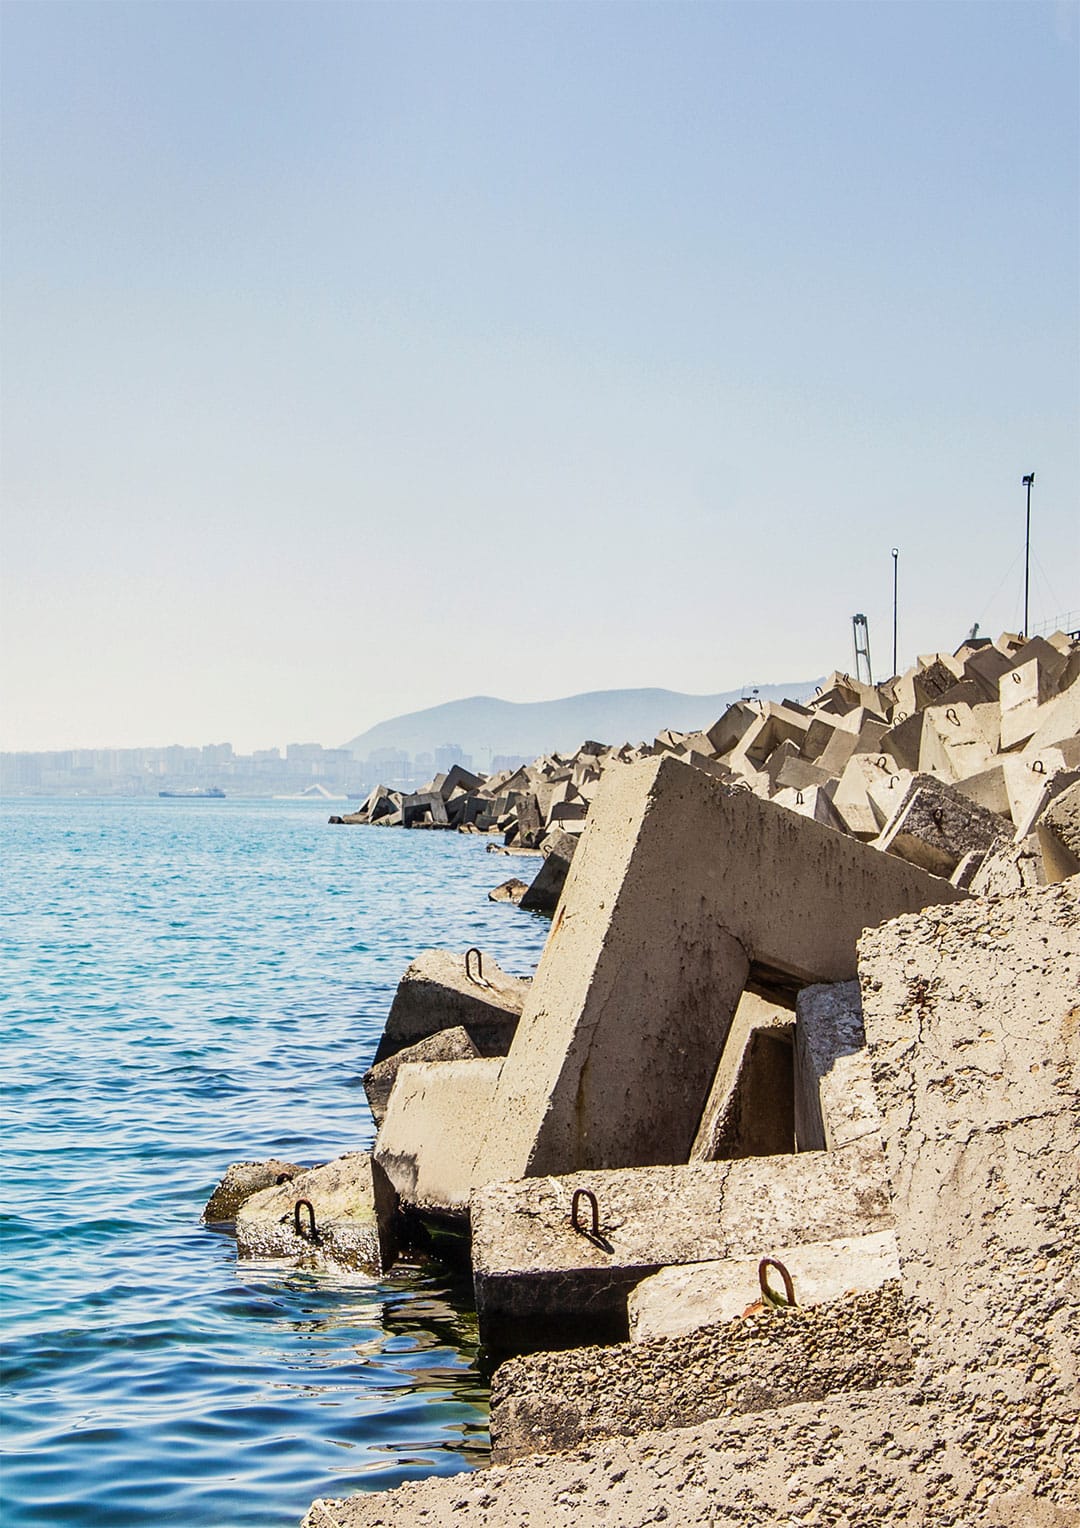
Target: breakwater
[186,981]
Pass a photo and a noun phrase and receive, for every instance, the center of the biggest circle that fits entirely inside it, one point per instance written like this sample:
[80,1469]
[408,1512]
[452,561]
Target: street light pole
[895,555]
[1029,478]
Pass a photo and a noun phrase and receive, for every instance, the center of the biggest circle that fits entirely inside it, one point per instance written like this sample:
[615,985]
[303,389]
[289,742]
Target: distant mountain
[483,726]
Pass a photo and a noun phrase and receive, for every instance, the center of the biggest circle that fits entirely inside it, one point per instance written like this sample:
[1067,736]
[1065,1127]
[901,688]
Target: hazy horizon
[357,356]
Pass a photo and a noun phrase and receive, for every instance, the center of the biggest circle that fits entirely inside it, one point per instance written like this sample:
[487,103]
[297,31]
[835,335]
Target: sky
[360,357]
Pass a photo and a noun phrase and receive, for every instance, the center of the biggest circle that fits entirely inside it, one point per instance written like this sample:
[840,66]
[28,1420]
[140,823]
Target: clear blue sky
[360,357]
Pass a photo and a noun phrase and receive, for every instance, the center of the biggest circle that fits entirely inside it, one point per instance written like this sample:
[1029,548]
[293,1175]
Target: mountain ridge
[485,725]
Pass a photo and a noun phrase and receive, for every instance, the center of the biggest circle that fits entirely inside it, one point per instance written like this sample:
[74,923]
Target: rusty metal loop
[312,1233]
[579,1195]
[1038,766]
[283,1178]
[882,762]
[899,716]
[769,1295]
[743,785]
[798,798]
[1017,678]
[951,716]
[479,977]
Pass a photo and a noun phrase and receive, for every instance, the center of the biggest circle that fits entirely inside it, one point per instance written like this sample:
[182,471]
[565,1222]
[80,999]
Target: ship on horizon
[208,793]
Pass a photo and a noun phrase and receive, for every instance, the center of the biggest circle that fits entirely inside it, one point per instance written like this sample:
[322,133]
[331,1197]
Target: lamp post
[1029,478]
[895,555]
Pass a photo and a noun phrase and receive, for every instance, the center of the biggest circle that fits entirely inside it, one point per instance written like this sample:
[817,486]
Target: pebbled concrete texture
[240,1181]
[972,1014]
[353,1207]
[556,1401]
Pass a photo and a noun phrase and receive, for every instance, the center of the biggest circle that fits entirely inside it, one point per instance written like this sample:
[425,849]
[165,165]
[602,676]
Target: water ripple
[189,983]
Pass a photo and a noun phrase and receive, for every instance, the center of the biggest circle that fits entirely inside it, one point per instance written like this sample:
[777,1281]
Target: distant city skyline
[360,357]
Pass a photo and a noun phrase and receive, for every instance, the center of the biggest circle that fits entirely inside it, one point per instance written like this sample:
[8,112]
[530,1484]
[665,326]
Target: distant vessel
[211,793]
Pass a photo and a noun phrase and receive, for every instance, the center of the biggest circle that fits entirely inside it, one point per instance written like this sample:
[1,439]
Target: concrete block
[1041,787]
[446,1045]
[436,993]
[429,1137]
[750,1111]
[835,1107]
[241,1180]
[550,1402]
[354,1214]
[1059,835]
[509,891]
[814,802]
[953,743]
[685,1299]
[424,807]
[1009,868]
[935,826]
[543,894]
[727,731]
[678,887]
[530,1264]
[852,799]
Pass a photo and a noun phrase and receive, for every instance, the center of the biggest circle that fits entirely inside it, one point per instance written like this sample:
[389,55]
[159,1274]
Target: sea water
[189,983]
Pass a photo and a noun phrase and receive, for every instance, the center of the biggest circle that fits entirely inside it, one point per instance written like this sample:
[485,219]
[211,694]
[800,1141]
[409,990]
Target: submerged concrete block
[679,1300]
[678,887]
[750,1111]
[241,1180]
[349,1218]
[437,993]
[446,1045]
[509,891]
[430,1134]
[530,1262]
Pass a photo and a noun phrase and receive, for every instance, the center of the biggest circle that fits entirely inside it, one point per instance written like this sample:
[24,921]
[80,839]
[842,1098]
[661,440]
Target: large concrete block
[436,992]
[935,825]
[684,1299]
[750,1111]
[446,1045]
[530,1263]
[430,1134]
[351,1221]
[834,1094]
[546,888]
[678,886]
[550,1402]
[1059,835]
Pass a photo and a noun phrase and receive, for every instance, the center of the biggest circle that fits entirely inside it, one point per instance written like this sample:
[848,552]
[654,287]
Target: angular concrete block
[678,886]
[549,1402]
[1059,835]
[684,1299]
[436,993]
[446,1045]
[935,826]
[529,1261]
[750,1111]
[835,1105]
[431,1132]
[351,1204]
[241,1180]
[546,888]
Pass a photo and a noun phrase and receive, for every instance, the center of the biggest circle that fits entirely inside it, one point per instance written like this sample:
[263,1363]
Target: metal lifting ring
[1017,677]
[882,762]
[769,1295]
[479,977]
[579,1195]
[1038,766]
[951,716]
[312,1233]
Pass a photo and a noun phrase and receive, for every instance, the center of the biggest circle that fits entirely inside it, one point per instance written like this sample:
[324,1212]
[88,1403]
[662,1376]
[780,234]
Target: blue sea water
[189,983]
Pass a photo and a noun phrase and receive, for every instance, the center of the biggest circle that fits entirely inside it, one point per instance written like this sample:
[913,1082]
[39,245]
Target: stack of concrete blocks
[949,765]
[656,1058]
[946,1395]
